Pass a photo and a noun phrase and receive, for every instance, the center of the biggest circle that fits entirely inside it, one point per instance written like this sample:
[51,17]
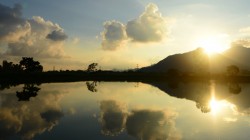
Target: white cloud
[114,35]
[33,37]
[150,26]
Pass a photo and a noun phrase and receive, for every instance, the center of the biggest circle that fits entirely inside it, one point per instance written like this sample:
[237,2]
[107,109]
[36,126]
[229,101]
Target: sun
[214,44]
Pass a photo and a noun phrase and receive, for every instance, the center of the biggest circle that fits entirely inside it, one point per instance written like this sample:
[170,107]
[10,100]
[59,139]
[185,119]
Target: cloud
[33,37]
[142,124]
[241,43]
[151,125]
[57,35]
[150,26]
[114,35]
[113,117]
[12,26]
[52,115]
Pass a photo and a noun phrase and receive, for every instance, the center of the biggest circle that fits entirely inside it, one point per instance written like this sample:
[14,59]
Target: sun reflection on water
[220,106]
[215,106]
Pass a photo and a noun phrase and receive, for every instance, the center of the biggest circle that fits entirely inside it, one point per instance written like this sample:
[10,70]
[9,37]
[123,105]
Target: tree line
[27,64]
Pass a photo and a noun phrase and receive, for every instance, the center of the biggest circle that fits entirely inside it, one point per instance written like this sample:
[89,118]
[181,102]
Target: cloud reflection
[143,124]
[113,117]
[27,119]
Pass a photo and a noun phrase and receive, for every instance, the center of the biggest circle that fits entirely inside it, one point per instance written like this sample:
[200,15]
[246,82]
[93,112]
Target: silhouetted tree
[92,67]
[29,90]
[29,65]
[10,67]
[232,70]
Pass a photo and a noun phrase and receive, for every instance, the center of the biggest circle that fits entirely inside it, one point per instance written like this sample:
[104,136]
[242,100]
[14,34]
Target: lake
[126,111]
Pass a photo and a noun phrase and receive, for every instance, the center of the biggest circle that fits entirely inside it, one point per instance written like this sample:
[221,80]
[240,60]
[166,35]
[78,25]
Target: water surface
[124,111]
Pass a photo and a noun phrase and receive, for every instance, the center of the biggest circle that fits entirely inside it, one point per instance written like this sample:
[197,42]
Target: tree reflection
[29,90]
[92,86]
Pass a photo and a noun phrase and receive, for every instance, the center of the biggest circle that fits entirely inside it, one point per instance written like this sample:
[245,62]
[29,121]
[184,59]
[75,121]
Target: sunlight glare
[215,44]
[215,106]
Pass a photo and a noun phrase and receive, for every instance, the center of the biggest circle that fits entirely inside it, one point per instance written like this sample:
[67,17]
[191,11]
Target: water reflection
[92,86]
[143,124]
[29,90]
[113,117]
[126,111]
[25,120]
[202,92]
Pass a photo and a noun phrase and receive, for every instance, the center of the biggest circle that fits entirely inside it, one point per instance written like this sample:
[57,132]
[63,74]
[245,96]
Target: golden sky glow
[87,31]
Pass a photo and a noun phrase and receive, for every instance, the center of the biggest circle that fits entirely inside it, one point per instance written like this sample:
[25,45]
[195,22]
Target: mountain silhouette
[197,61]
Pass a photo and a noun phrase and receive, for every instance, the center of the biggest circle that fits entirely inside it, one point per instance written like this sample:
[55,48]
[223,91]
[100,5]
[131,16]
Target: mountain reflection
[200,92]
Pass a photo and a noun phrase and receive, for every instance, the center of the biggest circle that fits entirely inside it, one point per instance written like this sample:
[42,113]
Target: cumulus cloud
[12,25]
[114,35]
[113,117]
[30,37]
[57,35]
[150,26]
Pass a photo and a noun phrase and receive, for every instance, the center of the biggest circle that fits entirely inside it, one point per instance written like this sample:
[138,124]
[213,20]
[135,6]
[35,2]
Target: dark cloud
[28,37]
[12,25]
[113,116]
[57,35]
[113,36]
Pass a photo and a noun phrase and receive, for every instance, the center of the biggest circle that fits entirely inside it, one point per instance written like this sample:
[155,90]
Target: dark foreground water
[126,111]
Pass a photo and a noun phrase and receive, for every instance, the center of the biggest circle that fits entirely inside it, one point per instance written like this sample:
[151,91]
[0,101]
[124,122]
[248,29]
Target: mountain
[198,61]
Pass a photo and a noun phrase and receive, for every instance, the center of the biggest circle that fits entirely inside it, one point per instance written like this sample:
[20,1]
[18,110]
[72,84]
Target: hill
[197,61]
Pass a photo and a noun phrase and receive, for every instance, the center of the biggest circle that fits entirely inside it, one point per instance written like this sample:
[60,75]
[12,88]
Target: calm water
[126,111]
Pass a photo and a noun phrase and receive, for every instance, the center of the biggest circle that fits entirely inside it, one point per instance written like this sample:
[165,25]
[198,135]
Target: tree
[232,70]
[92,67]
[29,65]
[10,67]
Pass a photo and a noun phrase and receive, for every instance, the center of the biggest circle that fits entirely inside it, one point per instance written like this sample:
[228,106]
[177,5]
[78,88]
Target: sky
[118,34]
